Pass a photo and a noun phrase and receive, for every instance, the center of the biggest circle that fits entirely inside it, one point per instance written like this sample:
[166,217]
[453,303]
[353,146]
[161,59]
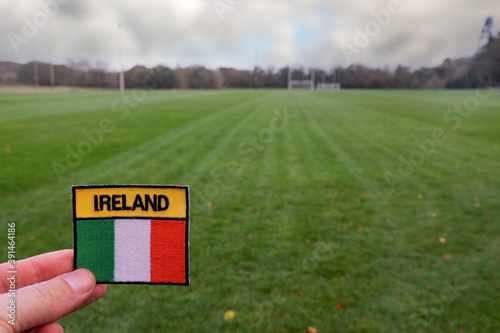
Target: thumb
[49,328]
[51,300]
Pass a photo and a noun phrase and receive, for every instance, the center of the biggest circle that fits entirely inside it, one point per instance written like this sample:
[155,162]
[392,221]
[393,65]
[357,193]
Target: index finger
[37,269]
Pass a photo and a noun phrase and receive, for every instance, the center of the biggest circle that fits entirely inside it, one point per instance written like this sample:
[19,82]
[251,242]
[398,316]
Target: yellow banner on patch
[130,201]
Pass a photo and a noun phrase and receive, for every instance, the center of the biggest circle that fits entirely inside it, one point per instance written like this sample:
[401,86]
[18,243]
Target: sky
[241,33]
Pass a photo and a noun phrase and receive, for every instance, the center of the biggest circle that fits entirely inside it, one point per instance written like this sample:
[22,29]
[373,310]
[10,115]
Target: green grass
[306,222]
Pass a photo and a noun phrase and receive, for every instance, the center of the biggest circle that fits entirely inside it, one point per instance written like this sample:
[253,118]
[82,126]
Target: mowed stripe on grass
[307,222]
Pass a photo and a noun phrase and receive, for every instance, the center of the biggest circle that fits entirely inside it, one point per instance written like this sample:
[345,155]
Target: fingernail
[80,280]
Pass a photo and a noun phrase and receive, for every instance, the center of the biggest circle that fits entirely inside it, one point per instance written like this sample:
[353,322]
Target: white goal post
[300,84]
[310,84]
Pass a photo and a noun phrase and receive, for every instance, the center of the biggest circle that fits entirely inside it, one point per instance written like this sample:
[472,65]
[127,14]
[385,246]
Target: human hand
[45,292]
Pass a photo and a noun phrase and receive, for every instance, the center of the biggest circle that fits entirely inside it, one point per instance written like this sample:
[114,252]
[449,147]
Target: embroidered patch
[137,234]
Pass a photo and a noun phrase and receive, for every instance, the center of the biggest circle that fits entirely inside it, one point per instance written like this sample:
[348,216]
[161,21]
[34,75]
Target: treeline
[456,73]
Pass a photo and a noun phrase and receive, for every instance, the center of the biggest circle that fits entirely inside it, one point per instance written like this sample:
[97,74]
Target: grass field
[308,208]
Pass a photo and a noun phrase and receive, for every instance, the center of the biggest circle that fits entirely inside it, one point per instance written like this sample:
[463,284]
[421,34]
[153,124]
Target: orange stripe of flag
[168,251]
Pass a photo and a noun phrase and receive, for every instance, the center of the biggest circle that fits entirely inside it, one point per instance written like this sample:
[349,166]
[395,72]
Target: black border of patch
[74,187]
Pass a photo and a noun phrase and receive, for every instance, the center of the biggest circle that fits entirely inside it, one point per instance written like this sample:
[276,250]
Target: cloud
[188,32]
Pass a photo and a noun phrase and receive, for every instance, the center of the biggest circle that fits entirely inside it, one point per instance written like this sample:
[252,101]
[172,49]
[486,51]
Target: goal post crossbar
[300,83]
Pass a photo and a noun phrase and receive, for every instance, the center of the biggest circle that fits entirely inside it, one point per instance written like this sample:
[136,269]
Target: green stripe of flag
[96,247]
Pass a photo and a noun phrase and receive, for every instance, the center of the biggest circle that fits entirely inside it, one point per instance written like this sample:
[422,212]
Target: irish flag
[118,244]
[133,250]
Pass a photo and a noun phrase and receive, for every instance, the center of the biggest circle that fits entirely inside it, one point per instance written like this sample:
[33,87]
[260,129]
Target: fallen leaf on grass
[311,329]
[447,257]
[229,315]
[442,240]
[340,306]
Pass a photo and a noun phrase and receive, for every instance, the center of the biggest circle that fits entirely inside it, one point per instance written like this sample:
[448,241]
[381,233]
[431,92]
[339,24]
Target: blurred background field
[308,233]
